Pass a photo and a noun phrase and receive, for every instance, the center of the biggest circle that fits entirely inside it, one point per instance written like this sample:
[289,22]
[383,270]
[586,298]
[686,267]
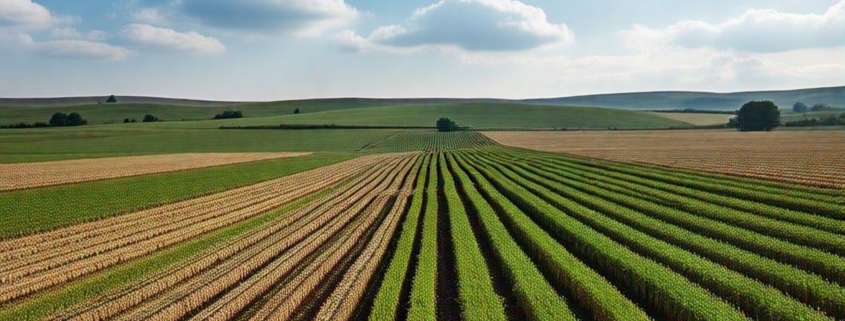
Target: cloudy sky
[291,49]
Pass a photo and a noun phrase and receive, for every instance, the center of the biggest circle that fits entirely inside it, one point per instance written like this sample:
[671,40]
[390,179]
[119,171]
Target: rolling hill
[474,115]
[834,96]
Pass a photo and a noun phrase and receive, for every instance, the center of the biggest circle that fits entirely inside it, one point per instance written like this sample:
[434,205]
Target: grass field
[116,113]
[478,116]
[31,145]
[698,119]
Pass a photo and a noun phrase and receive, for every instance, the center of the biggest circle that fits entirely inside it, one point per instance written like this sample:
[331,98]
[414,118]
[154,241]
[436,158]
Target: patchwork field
[805,157]
[28,175]
[460,229]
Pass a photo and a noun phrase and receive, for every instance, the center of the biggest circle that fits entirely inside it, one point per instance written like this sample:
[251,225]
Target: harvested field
[806,157]
[29,175]
[35,263]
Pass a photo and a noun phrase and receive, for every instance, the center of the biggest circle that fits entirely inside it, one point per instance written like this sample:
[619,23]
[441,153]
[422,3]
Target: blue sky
[291,49]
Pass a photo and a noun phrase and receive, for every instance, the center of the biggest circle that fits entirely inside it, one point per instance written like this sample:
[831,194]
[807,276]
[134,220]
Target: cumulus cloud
[472,25]
[754,31]
[66,48]
[73,34]
[24,13]
[306,17]
[171,40]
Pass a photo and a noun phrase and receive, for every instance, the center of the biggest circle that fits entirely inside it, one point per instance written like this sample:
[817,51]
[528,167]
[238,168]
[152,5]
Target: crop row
[284,233]
[24,277]
[432,141]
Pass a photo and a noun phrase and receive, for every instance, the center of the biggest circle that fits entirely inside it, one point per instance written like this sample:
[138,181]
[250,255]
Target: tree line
[57,120]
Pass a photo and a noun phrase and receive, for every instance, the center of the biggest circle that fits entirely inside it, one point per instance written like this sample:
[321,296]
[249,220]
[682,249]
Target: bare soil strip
[806,157]
[31,175]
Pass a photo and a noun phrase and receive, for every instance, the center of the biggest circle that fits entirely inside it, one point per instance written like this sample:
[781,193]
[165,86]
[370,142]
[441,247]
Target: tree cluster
[150,118]
[73,119]
[57,120]
[446,125]
[800,107]
[111,100]
[229,114]
[757,116]
[828,120]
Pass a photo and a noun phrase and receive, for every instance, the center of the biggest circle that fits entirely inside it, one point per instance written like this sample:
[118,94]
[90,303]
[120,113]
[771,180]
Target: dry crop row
[235,274]
[84,253]
[805,157]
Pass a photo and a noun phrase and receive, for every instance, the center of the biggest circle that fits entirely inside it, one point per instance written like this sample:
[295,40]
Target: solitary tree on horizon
[758,116]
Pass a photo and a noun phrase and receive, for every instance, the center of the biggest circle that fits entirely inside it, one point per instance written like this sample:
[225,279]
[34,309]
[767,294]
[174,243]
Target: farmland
[182,220]
[804,157]
[459,229]
[54,173]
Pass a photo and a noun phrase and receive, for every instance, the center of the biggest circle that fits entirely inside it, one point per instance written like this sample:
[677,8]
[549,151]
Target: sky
[259,50]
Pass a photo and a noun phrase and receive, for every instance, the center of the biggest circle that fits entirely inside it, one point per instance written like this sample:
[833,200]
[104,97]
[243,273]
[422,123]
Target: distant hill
[77,101]
[834,96]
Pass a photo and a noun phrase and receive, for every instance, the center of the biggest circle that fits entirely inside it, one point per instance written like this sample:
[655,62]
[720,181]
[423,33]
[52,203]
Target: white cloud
[171,40]
[73,34]
[24,13]
[472,25]
[301,17]
[69,48]
[754,31]
[150,15]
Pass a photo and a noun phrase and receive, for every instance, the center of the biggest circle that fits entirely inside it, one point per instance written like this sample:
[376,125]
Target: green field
[31,145]
[477,116]
[116,113]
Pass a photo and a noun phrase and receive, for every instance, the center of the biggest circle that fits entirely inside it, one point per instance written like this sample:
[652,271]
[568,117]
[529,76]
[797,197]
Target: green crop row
[586,287]
[423,305]
[807,288]
[537,298]
[654,285]
[33,210]
[628,194]
[737,201]
[432,141]
[477,298]
[386,304]
[800,234]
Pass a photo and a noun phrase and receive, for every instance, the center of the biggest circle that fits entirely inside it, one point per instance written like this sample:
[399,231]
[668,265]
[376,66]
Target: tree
[296,111]
[446,125]
[820,107]
[229,114]
[758,116]
[800,107]
[111,100]
[126,120]
[58,119]
[75,119]
[150,118]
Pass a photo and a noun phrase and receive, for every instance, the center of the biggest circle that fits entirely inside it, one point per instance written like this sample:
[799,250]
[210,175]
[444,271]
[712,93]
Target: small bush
[229,114]
[150,118]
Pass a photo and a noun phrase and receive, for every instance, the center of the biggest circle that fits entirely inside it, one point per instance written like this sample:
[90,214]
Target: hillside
[834,96]
[474,115]
[115,113]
